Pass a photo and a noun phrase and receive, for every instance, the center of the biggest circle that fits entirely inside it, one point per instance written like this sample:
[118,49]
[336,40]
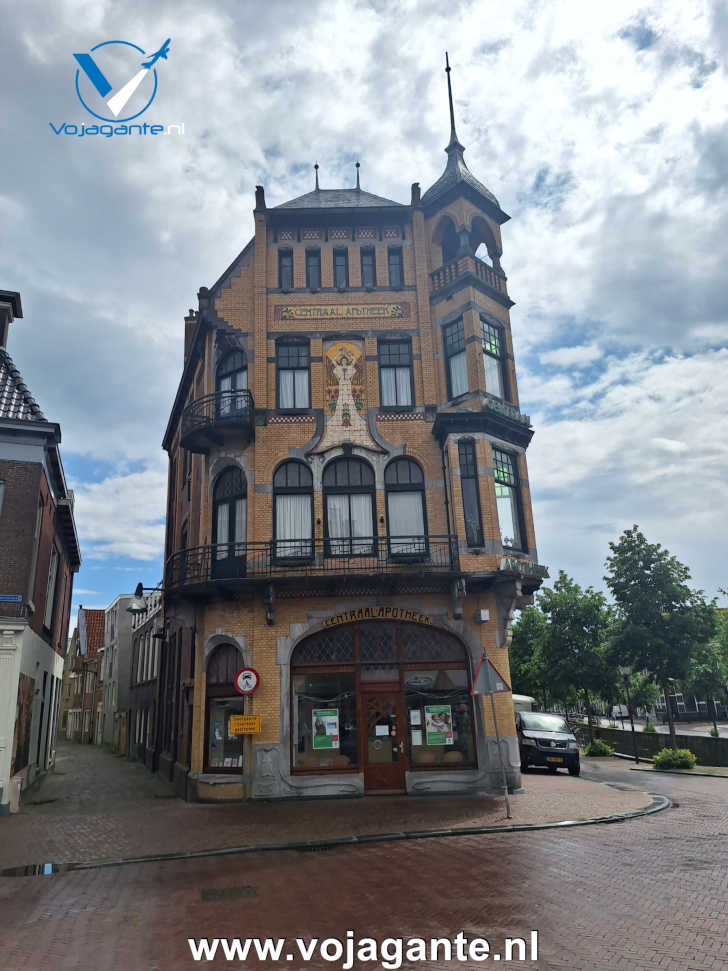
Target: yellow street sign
[245,724]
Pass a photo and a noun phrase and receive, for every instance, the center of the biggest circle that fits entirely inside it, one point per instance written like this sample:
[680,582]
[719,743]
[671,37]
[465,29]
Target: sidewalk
[97,806]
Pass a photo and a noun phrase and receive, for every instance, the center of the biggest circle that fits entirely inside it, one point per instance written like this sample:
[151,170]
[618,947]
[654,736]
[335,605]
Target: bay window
[492,340]
[507,499]
[469,489]
[453,338]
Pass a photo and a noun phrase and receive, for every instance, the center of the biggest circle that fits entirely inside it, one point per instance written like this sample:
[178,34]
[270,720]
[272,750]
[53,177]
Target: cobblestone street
[649,893]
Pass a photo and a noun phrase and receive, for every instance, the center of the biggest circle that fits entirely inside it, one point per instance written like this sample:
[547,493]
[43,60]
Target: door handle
[401,747]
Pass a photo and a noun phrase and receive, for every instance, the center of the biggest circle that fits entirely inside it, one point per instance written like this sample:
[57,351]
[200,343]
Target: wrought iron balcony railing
[312,558]
[449,272]
[212,418]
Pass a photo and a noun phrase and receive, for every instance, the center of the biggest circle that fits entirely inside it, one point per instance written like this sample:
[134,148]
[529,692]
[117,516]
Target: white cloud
[578,356]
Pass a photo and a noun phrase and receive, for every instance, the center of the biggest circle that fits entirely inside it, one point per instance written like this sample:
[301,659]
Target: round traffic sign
[246,681]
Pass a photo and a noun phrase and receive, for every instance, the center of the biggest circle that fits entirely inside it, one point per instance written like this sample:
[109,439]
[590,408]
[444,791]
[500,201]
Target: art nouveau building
[349,508]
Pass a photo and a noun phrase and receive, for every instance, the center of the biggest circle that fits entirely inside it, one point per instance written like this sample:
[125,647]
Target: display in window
[438,725]
[325,728]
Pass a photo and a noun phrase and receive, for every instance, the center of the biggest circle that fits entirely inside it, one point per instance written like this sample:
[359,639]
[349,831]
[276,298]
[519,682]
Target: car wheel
[575,769]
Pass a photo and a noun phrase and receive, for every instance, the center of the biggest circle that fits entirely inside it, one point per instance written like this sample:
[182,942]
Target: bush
[714,732]
[674,758]
[612,725]
[598,747]
[649,727]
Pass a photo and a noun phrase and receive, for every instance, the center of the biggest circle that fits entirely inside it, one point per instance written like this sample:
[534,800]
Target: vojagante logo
[378,613]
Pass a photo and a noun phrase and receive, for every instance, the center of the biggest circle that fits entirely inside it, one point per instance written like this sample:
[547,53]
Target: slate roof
[456,171]
[338,199]
[16,401]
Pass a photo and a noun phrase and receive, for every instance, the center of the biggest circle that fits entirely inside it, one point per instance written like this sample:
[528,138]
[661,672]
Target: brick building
[91,625]
[146,639]
[348,506]
[39,554]
[70,718]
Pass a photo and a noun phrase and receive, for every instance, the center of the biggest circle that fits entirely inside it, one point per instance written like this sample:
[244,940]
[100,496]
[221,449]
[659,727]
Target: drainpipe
[446,489]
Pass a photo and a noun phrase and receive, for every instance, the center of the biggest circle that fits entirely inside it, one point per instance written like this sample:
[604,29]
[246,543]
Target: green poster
[325,727]
[438,725]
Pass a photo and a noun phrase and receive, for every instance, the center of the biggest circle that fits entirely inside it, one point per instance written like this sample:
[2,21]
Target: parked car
[546,740]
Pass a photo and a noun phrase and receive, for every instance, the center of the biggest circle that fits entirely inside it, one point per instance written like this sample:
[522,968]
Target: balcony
[240,565]
[450,276]
[217,418]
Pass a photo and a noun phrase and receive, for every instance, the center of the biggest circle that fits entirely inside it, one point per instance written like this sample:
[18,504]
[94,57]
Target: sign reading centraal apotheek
[377,612]
[344,311]
[525,567]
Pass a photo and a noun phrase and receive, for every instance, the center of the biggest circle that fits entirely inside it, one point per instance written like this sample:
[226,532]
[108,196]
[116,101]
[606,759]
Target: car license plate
[554,758]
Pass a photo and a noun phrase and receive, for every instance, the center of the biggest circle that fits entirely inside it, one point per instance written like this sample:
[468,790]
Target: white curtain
[507,515]
[225,398]
[285,389]
[404,386]
[458,374]
[223,521]
[389,386]
[396,386]
[361,523]
[301,389]
[240,526]
[293,525]
[337,508]
[493,379]
[406,520]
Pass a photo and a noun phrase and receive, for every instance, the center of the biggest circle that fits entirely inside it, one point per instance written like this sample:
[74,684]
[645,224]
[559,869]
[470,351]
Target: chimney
[190,326]
[415,201]
[10,308]
[259,198]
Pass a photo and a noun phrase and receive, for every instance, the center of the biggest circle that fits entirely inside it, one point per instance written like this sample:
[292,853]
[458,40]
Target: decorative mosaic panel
[345,396]
[286,234]
[339,234]
[377,643]
[311,234]
[429,644]
[366,232]
[392,232]
[326,647]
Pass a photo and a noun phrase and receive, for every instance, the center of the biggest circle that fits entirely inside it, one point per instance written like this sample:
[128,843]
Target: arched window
[350,507]
[232,376]
[293,511]
[223,749]
[450,244]
[406,517]
[229,523]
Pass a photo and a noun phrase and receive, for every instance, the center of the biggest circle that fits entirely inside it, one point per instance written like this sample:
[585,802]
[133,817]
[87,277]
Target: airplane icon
[162,52]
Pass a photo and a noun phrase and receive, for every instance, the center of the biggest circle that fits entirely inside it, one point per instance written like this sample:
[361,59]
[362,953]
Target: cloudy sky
[601,129]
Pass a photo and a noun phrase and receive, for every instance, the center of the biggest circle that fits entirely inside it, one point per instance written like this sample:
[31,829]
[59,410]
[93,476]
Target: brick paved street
[651,893]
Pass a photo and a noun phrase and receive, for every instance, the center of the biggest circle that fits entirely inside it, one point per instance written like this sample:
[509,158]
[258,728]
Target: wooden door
[385,741]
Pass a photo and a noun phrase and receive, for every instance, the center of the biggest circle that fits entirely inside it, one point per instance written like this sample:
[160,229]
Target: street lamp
[138,603]
[625,672]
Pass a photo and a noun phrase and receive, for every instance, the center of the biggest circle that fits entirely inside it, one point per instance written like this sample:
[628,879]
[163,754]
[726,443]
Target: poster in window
[438,725]
[325,727]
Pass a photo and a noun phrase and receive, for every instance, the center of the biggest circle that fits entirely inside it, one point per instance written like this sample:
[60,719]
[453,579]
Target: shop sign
[392,311]
[525,567]
[244,725]
[325,727]
[438,725]
[378,613]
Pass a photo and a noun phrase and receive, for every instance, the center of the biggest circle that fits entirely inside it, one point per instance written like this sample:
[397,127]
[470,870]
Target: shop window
[229,511]
[507,499]
[469,488]
[324,721]
[395,374]
[453,338]
[285,269]
[439,718]
[407,522]
[293,505]
[368,268]
[223,749]
[349,503]
[292,373]
[492,340]
[232,377]
[394,260]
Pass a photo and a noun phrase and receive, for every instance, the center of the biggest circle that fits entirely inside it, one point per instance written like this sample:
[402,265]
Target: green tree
[661,620]
[643,691]
[574,648]
[526,655]
[708,674]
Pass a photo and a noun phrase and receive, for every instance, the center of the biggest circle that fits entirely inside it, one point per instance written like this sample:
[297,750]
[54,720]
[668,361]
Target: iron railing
[311,558]
[216,412]
[445,274]
[14,610]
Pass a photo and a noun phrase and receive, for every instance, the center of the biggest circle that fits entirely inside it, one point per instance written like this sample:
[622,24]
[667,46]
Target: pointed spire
[315,168]
[453,133]
[357,176]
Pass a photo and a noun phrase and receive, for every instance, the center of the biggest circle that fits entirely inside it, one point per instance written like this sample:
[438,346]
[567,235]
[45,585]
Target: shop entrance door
[385,742]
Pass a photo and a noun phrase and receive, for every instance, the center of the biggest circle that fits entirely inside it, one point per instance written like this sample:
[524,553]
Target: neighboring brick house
[116,673]
[69,723]
[349,506]
[91,647]
[39,554]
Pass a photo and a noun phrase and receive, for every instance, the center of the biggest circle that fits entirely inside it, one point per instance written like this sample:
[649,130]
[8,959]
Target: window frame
[341,253]
[515,486]
[292,491]
[387,342]
[315,254]
[233,559]
[298,344]
[395,251]
[499,357]
[349,490]
[368,251]
[449,353]
[51,587]
[416,555]
[469,443]
[285,253]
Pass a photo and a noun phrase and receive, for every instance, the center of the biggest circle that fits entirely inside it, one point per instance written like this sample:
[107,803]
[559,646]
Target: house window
[492,338]
[229,509]
[341,269]
[457,370]
[368,268]
[395,373]
[293,504]
[405,489]
[394,259]
[223,749]
[506,495]
[469,488]
[232,377]
[349,504]
[51,589]
[285,269]
[313,269]
[292,361]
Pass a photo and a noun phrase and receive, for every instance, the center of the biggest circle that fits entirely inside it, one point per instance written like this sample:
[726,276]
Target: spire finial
[357,176]
[315,168]
[453,134]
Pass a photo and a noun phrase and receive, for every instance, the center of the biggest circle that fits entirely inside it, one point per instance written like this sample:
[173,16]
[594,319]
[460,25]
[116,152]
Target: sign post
[247,681]
[487,681]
